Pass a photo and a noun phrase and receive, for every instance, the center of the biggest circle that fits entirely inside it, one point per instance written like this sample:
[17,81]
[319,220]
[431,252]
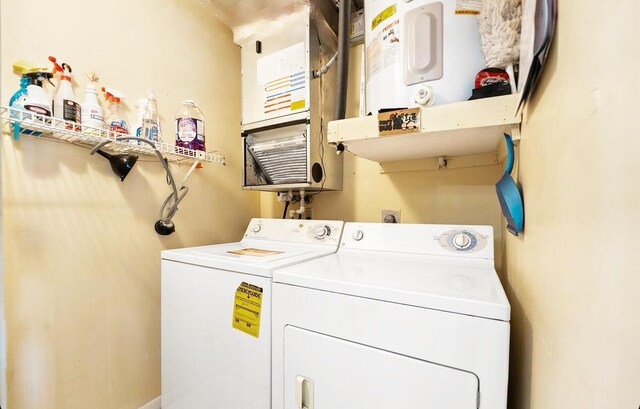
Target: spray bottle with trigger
[65,104]
[16,102]
[115,119]
[31,97]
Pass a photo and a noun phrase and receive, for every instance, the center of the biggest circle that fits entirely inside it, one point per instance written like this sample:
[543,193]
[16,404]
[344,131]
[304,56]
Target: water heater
[285,111]
[419,52]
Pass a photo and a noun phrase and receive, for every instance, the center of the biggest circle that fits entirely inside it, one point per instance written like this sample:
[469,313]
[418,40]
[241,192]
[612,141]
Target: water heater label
[384,50]
[382,16]
[247,306]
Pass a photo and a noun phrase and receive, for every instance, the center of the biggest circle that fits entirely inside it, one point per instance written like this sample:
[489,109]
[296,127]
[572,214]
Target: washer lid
[449,284]
[248,256]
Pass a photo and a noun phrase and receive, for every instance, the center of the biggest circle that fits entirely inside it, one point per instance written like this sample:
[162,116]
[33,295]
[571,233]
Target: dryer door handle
[304,392]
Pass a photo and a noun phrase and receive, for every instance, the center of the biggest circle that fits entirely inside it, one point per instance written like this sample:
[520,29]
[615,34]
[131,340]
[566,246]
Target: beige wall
[81,258]
[456,196]
[573,277]
[81,279]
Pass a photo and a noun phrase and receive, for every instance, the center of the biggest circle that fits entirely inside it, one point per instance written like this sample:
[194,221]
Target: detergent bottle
[65,104]
[116,121]
[190,126]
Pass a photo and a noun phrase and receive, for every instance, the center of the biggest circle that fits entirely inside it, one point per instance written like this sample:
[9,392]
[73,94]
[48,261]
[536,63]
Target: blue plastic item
[509,194]
[24,82]
[16,102]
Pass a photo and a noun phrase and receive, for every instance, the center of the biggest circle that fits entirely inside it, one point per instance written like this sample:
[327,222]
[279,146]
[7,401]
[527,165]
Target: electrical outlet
[390,216]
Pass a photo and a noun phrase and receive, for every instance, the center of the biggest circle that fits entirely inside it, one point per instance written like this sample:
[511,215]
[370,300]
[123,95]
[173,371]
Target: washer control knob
[358,235]
[256,228]
[461,241]
[322,232]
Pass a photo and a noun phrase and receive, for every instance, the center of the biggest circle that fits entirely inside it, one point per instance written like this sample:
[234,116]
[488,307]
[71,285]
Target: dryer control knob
[461,241]
[256,228]
[322,232]
[358,235]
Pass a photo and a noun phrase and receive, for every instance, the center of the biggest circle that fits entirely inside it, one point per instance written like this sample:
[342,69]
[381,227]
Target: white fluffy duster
[499,22]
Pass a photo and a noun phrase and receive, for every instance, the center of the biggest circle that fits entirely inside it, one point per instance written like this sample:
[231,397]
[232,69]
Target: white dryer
[216,313]
[402,316]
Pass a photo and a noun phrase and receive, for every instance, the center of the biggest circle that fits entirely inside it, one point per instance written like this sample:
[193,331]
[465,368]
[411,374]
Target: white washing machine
[216,313]
[402,316]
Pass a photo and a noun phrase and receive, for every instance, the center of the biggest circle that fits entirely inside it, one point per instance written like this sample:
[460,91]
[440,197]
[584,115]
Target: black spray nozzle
[36,78]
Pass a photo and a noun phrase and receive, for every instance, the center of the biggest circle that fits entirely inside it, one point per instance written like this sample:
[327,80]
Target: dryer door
[321,371]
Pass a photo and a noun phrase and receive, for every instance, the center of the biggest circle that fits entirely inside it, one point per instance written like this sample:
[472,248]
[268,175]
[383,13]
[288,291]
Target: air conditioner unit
[285,111]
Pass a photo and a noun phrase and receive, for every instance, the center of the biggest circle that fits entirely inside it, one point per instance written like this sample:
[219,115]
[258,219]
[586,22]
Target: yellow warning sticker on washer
[247,305]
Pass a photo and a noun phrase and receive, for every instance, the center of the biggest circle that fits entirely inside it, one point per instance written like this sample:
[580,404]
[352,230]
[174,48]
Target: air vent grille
[282,160]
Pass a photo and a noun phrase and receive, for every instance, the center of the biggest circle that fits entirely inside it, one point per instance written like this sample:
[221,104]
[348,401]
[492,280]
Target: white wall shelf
[54,128]
[458,129]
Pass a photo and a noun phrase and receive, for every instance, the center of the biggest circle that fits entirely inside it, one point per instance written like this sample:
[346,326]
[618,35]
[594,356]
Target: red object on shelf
[490,76]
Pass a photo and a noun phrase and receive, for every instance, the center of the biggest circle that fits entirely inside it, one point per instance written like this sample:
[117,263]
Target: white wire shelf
[47,127]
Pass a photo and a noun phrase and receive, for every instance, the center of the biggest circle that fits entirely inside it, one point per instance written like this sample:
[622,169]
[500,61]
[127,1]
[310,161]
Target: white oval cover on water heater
[423,45]
[410,44]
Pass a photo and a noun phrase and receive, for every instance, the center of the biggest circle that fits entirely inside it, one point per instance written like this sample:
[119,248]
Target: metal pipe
[344,18]
[323,70]
[301,210]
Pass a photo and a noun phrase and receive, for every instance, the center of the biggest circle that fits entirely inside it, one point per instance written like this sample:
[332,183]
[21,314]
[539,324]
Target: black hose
[286,206]
[344,19]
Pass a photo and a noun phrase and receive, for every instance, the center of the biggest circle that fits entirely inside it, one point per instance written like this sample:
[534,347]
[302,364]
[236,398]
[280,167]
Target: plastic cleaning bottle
[190,126]
[116,121]
[92,113]
[30,97]
[151,121]
[65,104]
[21,94]
[17,102]
[36,99]
[141,106]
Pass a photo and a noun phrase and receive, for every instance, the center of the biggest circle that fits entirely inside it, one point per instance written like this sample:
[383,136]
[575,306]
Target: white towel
[499,22]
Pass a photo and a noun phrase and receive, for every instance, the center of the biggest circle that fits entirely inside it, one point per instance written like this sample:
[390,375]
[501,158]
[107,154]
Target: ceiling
[239,14]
